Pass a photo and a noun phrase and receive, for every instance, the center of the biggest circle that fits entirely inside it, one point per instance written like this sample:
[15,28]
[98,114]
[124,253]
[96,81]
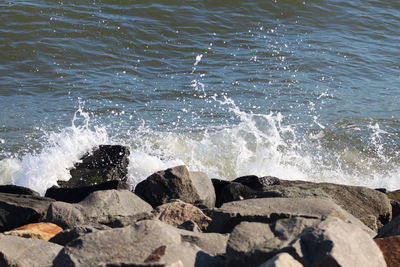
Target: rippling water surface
[300,90]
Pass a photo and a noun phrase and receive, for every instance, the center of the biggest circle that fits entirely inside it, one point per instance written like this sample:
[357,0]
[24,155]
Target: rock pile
[181,218]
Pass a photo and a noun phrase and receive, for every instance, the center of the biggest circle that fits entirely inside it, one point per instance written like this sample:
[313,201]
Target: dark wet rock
[99,207]
[390,229]
[178,212]
[21,252]
[312,242]
[234,192]
[269,210]
[395,208]
[68,235]
[189,226]
[18,210]
[177,183]
[390,247]
[107,162]
[257,183]
[18,190]
[362,202]
[219,185]
[147,242]
[77,194]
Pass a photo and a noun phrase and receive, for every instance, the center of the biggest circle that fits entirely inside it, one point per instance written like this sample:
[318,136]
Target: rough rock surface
[21,252]
[99,207]
[19,190]
[257,183]
[178,212]
[390,229]
[282,260]
[330,242]
[268,210]
[68,235]
[18,210]
[390,247]
[336,243]
[107,162]
[370,206]
[212,243]
[147,242]
[252,243]
[177,183]
[42,230]
[77,194]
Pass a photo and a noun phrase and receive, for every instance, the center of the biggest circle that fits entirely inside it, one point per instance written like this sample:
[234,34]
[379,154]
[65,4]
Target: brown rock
[178,212]
[42,230]
[390,247]
[394,195]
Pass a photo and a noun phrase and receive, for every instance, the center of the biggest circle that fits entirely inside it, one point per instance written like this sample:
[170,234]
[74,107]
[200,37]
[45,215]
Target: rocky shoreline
[177,217]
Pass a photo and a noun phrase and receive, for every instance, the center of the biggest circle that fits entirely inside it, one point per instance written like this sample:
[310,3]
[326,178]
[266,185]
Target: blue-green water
[299,90]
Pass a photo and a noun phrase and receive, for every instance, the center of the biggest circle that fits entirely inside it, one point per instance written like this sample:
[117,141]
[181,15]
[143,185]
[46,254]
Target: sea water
[295,89]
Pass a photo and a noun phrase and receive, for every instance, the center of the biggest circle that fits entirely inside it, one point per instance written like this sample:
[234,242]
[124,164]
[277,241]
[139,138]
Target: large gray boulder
[252,243]
[17,210]
[312,242]
[370,206]
[147,242]
[269,210]
[21,252]
[177,183]
[99,207]
[107,162]
[336,243]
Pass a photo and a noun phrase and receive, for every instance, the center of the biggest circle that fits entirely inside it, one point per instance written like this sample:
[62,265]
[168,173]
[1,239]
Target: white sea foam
[259,144]
[61,151]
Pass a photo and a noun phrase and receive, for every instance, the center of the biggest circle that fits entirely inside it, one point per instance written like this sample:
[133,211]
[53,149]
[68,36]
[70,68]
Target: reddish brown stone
[43,231]
[176,213]
[390,247]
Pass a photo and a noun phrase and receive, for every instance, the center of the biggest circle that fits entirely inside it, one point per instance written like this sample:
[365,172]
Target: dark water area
[298,89]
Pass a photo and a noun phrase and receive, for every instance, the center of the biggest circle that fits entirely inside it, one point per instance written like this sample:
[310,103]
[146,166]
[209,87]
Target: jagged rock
[99,207]
[212,243]
[42,230]
[77,194]
[177,183]
[360,201]
[253,243]
[282,260]
[268,210]
[178,212]
[312,242]
[21,252]
[336,243]
[18,210]
[107,162]
[390,229]
[18,190]
[390,247]
[147,242]
[68,235]
[257,183]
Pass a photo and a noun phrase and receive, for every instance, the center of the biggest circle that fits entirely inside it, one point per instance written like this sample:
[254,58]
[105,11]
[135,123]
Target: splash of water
[61,151]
